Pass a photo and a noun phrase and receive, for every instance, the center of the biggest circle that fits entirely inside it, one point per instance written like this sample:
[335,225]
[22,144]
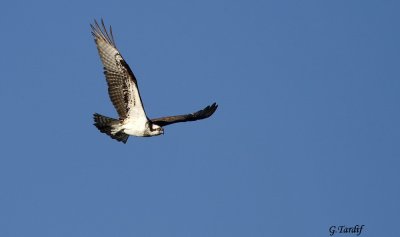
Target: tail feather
[104,124]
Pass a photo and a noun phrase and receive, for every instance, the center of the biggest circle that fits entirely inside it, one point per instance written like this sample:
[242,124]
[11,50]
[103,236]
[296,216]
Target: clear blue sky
[306,136]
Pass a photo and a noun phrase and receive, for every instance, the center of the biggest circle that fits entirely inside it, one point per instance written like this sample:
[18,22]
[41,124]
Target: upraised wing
[201,114]
[122,85]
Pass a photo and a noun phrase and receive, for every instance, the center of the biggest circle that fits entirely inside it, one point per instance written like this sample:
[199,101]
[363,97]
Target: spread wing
[201,114]
[122,85]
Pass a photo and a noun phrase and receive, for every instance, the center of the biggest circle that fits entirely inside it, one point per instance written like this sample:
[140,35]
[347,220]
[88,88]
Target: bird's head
[155,130]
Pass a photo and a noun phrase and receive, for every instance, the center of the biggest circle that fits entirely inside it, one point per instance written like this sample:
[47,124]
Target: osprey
[124,94]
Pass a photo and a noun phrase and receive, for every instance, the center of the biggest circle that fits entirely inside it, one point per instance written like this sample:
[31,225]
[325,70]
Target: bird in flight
[124,95]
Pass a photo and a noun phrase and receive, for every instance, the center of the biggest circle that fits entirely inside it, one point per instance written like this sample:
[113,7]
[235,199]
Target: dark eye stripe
[151,127]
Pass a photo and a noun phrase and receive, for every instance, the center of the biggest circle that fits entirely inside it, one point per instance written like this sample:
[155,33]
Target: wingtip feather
[99,31]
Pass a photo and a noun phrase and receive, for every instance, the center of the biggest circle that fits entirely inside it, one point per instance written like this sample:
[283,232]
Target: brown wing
[122,84]
[201,114]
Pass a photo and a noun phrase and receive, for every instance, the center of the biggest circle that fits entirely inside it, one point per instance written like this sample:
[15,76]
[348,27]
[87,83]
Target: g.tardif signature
[342,229]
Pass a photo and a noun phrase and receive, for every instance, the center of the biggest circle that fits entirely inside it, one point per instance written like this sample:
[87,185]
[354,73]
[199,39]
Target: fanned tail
[105,125]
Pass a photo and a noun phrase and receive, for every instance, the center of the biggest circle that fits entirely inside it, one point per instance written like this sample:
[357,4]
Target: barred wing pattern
[201,114]
[122,84]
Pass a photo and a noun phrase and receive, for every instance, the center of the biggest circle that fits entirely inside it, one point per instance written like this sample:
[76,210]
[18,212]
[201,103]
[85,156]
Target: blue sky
[306,135]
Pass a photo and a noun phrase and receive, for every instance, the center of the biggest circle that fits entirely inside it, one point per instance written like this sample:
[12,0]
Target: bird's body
[136,127]
[124,94]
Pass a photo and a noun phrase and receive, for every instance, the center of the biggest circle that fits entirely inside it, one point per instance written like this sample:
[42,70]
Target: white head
[154,130]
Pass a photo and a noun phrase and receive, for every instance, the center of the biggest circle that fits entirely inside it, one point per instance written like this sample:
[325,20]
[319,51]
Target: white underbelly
[135,128]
